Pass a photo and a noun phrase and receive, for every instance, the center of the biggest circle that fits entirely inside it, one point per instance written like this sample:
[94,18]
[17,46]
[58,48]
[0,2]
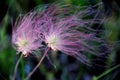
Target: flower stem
[16,67]
[29,75]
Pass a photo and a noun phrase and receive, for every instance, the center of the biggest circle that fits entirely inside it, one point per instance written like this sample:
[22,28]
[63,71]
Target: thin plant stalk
[30,74]
[105,73]
[16,67]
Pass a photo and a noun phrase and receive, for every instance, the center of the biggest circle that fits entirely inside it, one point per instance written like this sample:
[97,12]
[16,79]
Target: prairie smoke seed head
[24,36]
[64,32]
[59,29]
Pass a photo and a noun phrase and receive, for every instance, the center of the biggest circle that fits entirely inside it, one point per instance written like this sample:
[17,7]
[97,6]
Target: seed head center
[22,42]
[52,41]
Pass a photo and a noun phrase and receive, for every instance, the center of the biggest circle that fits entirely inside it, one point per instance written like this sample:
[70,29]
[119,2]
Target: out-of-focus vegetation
[61,66]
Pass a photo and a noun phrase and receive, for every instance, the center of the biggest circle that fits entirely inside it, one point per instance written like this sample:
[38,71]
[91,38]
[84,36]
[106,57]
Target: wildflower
[62,34]
[56,27]
[24,37]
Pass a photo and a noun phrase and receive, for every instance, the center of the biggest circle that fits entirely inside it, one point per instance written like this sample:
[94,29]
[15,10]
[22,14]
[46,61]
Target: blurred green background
[62,67]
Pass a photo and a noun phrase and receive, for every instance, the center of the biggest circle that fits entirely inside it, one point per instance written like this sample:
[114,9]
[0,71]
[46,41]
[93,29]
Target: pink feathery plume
[24,37]
[59,28]
[61,32]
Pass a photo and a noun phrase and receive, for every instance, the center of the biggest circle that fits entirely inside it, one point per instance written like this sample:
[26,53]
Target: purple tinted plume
[24,37]
[59,28]
[61,32]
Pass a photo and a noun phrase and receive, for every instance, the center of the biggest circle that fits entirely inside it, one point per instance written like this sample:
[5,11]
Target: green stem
[22,67]
[106,72]
[16,67]
[30,74]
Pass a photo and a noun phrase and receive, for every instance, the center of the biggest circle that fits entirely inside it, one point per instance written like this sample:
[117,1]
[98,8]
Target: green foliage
[6,51]
[105,73]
